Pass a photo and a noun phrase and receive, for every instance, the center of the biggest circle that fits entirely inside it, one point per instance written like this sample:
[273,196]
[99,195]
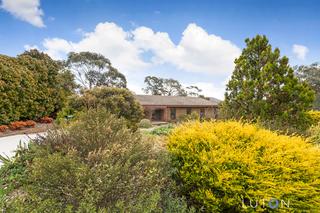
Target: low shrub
[3,128]
[30,124]
[224,165]
[118,101]
[46,120]
[314,134]
[96,164]
[65,115]
[314,115]
[194,116]
[17,125]
[162,130]
[145,123]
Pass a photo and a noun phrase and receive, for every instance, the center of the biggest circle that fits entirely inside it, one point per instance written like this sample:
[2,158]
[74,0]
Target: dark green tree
[154,85]
[92,69]
[168,87]
[194,91]
[311,74]
[263,87]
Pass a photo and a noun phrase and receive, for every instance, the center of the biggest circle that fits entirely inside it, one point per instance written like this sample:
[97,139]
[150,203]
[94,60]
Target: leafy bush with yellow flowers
[314,115]
[225,166]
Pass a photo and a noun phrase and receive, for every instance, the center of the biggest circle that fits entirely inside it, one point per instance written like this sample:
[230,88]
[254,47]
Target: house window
[202,113]
[173,113]
[189,111]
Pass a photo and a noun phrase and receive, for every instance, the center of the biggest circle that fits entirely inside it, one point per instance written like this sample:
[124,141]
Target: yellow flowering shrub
[314,115]
[235,167]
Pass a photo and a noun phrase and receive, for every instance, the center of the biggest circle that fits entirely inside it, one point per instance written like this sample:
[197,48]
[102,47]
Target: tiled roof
[157,100]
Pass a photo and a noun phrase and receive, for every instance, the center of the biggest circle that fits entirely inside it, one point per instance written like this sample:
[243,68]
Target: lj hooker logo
[272,203]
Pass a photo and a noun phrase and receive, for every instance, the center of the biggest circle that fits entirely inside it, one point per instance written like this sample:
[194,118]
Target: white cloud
[300,51]
[107,39]
[197,50]
[26,10]
[211,90]
[57,48]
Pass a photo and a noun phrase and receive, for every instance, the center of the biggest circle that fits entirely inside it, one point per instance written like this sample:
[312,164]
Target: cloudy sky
[194,42]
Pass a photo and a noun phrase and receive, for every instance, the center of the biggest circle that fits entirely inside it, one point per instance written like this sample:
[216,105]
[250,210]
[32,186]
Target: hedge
[225,165]
[29,87]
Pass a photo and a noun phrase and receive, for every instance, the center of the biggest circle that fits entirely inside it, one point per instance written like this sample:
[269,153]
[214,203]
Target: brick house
[170,108]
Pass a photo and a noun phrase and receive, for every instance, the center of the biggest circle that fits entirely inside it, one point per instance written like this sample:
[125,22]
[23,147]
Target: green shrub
[189,117]
[118,101]
[145,123]
[162,130]
[222,165]
[29,87]
[96,164]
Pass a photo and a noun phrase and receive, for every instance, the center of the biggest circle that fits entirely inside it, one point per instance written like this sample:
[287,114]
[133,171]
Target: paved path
[9,144]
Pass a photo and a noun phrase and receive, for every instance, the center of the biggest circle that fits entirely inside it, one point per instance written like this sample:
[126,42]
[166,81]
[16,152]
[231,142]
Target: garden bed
[39,127]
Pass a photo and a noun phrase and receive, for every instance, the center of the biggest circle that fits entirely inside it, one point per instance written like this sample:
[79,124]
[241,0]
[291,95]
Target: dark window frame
[189,111]
[173,113]
[202,113]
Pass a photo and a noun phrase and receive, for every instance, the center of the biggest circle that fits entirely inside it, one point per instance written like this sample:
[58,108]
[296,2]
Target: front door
[157,115]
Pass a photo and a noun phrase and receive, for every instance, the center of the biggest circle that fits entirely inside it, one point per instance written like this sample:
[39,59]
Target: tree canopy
[93,69]
[263,86]
[311,74]
[168,87]
[118,101]
[30,86]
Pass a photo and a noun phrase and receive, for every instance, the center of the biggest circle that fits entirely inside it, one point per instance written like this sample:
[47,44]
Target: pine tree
[263,87]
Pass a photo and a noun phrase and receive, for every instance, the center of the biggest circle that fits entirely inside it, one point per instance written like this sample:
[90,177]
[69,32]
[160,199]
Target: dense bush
[118,101]
[96,164]
[314,115]
[222,164]
[314,134]
[30,87]
[17,125]
[30,123]
[189,117]
[145,123]
[3,128]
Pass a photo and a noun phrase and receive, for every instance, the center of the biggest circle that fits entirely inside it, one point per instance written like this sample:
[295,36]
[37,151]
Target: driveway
[9,144]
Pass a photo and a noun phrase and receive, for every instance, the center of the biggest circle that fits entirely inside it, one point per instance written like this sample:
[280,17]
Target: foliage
[46,120]
[314,115]
[168,87]
[30,123]
[220,164]
[314,133]
[17,125]
[92,69]
[193,116]
[145,123]
[65,115]
[263,86]
[118,101]
[3,128]
[29,87]
[311,74]
[95,165]
[162,130]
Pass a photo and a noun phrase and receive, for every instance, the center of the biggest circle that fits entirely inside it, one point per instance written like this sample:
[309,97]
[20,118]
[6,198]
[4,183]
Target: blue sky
[192,41]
